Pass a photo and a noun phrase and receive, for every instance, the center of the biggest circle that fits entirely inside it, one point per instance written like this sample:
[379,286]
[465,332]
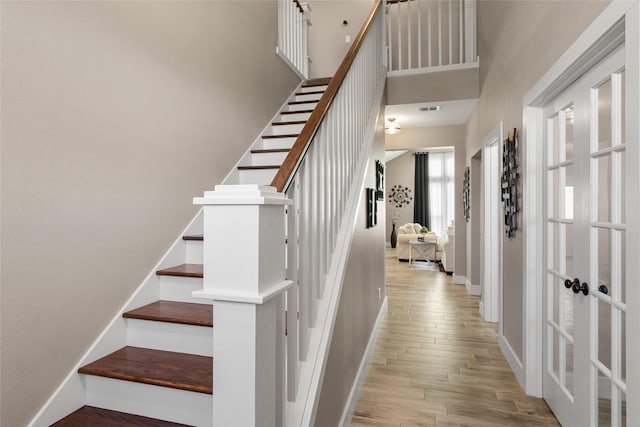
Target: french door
[585,310]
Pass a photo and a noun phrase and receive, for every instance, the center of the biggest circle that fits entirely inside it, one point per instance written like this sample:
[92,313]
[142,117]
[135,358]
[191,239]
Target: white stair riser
[313,88]
[164,403]
[285,129]
[272,143]
[302,107]
[308,97]
[180,289]
[257,176]
[294,117]
[260,159]
[194,251]
[170,337]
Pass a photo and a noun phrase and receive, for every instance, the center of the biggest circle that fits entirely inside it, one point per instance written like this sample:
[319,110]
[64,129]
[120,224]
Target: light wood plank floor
[437,363]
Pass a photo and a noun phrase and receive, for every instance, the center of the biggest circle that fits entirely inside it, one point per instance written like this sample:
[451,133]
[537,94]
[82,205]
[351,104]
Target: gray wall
[430,87]
[327,46]
[437,136]
[517,42]
[359,301]
[114,115]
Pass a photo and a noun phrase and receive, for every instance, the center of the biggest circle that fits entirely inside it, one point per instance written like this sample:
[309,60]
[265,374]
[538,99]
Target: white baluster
[461,33]
[450,34]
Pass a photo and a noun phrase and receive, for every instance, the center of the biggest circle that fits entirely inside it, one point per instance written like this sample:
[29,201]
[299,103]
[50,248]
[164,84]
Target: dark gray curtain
[421,188]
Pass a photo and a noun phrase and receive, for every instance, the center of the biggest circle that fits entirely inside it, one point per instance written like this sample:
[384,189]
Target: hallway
[437,363]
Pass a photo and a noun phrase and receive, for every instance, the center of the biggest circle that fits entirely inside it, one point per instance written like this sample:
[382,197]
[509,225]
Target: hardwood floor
[437,363]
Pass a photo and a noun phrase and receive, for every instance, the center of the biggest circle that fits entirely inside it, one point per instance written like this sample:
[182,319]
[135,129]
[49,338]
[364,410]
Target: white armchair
[409,232]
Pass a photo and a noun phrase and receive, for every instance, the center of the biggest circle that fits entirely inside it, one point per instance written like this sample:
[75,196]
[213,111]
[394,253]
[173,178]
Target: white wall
[327,45]
[114,115]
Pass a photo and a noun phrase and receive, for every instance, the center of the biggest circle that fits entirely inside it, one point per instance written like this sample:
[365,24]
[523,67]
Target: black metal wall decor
[466,195]
[372,208]
[510,178]
[379,180]
[400,195]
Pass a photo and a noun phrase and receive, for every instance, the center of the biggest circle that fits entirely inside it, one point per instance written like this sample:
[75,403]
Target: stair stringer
[302,411]
[71,394]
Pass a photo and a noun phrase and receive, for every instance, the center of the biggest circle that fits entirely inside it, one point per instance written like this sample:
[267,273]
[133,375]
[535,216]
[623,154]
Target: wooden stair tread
[298,122]
[290,135]
[320,81]
[185,313]
[260,167]
[89,416]
[182,270]
[270,150]
[313,92]
[302,102]
[193,237]
[156,367]
[296,112]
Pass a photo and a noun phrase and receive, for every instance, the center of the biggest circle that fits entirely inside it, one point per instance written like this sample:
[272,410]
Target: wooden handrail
[286,172]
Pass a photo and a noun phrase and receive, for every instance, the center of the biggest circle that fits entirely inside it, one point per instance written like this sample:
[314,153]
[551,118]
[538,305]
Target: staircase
[166,369]
[260,164]
[153,364]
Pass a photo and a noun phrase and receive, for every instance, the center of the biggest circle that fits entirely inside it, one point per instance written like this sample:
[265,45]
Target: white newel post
[244,273]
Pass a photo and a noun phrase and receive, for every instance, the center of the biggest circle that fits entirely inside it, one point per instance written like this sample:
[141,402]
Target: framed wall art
[379,180]
[466,195]
[510,178]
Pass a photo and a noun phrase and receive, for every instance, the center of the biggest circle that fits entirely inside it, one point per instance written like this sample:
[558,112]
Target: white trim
[604,34]
[459,279]
[287,61]
[512,359]
[632,67]
[492,226]
[245,297]
[434,69]
[471,288]
[352,400]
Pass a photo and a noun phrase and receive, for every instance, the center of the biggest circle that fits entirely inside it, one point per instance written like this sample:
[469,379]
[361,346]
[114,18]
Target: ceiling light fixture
[391,126]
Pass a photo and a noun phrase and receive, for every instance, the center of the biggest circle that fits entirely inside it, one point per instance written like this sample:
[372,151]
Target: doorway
[584,292]
[474,282]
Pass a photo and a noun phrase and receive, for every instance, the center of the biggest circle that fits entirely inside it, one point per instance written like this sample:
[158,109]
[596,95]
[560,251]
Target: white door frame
[618,23]
[491,308]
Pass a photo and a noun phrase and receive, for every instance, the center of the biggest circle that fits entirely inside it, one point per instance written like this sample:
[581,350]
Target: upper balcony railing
[430,34]
[293,35]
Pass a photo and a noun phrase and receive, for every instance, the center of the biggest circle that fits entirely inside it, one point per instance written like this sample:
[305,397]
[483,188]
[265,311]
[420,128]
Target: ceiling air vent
[430,108]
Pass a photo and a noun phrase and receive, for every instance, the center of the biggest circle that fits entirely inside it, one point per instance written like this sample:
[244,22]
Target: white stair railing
[322,176]
[284,269]
[423,34]
[293,35]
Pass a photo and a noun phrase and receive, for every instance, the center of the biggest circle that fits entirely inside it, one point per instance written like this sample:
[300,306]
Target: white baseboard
[481,310]
[459,280]
[513,360]
[472,289]
[350,407]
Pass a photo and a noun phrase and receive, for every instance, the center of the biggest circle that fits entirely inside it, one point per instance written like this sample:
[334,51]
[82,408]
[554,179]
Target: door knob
[603,289]
[576,288]
[568,283]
